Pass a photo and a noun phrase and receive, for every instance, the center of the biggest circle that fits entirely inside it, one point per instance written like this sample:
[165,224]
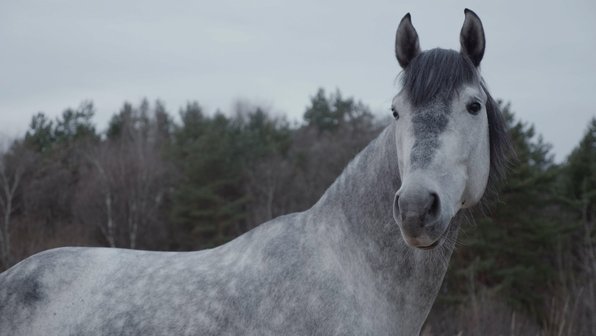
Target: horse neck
[364,191]
[360,202]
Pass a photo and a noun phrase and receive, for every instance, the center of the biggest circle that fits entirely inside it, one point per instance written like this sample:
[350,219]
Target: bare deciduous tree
[123,187]
[14,163]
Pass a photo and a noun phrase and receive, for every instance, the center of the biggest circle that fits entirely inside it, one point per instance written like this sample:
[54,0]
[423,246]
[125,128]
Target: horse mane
[440,74]
[500,144]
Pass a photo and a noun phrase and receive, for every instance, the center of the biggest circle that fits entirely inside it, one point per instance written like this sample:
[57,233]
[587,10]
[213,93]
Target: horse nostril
[416,209]
[397,209]
[433,209]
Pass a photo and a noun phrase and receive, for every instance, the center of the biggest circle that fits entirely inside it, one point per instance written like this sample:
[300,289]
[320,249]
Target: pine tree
[330,113]
[579,181]
[578,199]
[208,200]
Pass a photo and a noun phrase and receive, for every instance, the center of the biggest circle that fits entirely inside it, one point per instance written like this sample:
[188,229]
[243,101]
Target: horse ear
[407,45]
[472,37]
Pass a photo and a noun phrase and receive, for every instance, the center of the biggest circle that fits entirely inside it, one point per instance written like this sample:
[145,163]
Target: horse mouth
[436,242]
[431,246]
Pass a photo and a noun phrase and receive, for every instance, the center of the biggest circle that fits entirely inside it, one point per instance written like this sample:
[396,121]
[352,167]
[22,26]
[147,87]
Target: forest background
[197,179]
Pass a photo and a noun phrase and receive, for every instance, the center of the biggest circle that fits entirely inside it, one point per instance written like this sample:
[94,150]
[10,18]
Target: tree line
[152,181]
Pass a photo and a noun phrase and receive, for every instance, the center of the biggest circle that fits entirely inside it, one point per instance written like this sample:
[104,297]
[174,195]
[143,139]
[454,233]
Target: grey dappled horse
[367,259]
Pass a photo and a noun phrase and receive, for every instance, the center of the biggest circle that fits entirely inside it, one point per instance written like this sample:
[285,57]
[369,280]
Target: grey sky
[54,54]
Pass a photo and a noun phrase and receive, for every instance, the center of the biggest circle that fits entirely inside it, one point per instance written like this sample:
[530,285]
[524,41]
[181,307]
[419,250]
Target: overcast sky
[540,55]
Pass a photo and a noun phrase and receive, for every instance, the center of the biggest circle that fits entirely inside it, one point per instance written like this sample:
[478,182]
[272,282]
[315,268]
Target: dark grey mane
[500,144]
[439,74]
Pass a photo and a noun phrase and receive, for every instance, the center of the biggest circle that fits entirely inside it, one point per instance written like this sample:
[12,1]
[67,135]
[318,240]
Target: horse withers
[367,259]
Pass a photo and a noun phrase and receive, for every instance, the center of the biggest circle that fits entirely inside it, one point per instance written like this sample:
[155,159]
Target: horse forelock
[437,74]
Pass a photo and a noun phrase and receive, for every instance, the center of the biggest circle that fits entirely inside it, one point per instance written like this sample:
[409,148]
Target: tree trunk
[110,221]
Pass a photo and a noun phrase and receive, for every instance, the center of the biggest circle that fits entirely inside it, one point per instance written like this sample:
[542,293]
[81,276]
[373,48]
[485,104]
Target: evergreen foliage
[208,199]
[157,182]
[513,248]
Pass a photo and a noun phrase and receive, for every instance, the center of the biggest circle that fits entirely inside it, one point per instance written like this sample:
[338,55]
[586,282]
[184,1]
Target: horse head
[449,132]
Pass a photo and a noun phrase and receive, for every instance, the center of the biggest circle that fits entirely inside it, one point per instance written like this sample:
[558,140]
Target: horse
[368,258]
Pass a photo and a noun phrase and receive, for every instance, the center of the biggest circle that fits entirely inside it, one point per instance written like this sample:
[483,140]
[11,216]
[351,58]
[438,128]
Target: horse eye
[474,107]
[395,114]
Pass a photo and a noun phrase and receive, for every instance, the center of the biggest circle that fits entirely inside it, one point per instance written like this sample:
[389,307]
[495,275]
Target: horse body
[338,268]
[367,259]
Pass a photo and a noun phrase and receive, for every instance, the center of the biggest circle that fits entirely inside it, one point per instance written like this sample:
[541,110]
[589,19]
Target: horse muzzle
[417,211]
